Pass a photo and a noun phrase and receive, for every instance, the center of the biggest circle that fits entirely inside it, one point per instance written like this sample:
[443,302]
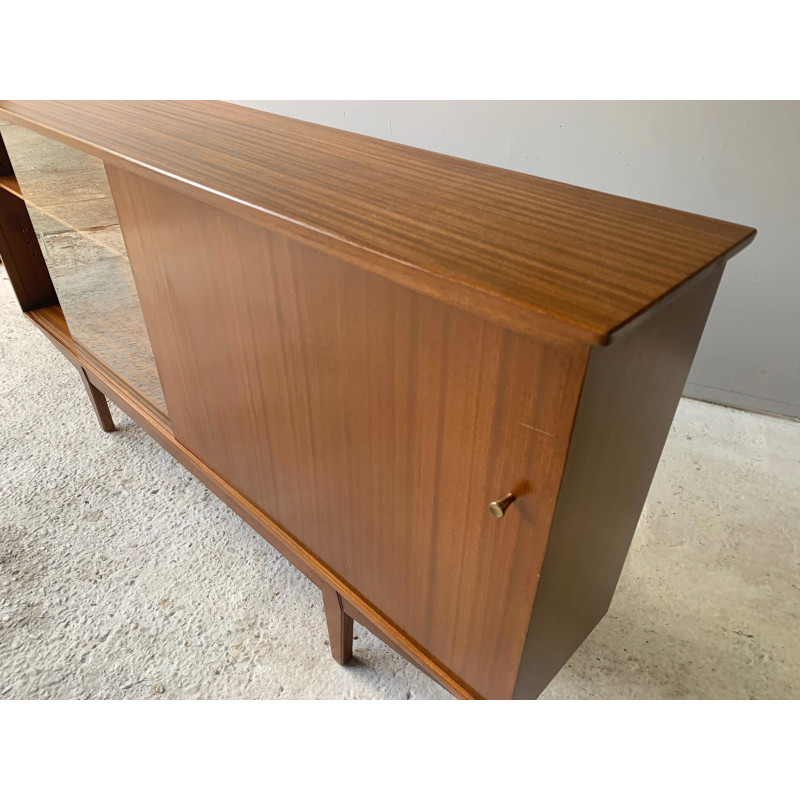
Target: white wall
[738,161]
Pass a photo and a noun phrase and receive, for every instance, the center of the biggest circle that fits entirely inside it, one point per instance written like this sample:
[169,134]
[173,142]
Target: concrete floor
[121,576]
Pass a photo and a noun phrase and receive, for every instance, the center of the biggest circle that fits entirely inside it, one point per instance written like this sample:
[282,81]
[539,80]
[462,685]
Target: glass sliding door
[72,211]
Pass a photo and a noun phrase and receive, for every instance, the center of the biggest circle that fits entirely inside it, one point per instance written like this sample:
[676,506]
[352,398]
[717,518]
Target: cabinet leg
[340,626]
[99,403]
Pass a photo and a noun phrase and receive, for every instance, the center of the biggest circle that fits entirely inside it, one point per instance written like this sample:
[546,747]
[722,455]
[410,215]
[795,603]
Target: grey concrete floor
[121,576]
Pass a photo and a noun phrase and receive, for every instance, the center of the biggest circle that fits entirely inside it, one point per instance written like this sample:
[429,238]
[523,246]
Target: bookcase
[440,389]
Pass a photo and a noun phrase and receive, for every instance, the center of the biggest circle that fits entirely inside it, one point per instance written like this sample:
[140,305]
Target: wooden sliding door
[373,424]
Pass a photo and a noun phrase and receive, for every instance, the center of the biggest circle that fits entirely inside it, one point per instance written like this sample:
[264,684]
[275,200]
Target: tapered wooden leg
[99,403]
[340,626]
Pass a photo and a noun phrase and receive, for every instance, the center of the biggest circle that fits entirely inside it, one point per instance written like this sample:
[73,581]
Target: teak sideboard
[439,388]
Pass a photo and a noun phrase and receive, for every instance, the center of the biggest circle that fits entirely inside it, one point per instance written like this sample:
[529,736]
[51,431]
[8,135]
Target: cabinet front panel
[74,218]
[373,424]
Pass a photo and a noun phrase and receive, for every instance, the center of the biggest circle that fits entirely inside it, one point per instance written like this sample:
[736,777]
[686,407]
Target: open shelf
[9,184]
[47,223]
[51,318]
[72,227]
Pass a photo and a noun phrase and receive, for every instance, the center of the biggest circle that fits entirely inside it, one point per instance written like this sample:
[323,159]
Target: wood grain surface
[51,322]
[9,183]
[22,257]
[373,424]
[532,254]
[363,344]
[629,397]
[98,401]
[340,626]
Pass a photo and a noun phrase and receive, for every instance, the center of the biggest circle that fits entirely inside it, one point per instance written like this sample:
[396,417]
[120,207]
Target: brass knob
[498,507]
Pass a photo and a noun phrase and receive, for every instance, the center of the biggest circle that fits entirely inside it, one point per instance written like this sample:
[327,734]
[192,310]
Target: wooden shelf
[9,183]
[51,318]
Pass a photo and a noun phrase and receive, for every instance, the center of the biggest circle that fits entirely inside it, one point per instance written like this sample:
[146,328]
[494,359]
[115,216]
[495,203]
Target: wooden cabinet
[363,348]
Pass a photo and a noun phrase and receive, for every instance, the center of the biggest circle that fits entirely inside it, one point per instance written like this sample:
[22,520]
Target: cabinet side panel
[629,398]
[22,258]
[372,424]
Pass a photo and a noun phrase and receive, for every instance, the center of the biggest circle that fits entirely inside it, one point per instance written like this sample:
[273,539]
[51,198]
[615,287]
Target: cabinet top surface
[587,261]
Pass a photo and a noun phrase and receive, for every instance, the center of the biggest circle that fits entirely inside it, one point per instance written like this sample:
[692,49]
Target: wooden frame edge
[484,303]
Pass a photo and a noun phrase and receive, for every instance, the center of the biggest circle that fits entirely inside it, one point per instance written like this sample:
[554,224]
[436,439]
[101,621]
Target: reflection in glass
[73,214]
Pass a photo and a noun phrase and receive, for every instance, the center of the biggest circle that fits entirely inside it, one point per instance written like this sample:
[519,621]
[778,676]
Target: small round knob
[498,507]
